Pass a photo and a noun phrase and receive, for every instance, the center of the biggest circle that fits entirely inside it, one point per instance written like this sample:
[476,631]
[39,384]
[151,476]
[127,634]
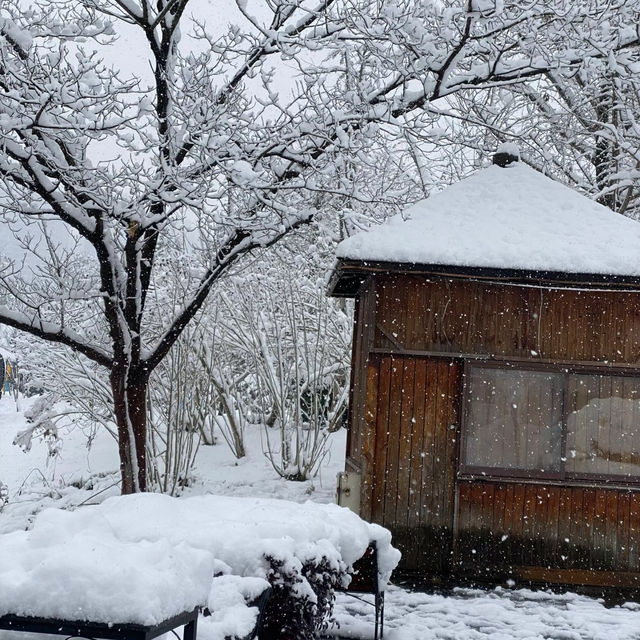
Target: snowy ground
[80,474]
[497,615]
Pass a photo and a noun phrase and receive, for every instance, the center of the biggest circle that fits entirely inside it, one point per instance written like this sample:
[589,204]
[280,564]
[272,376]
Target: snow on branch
[55,333]
[19,39]
[238,244]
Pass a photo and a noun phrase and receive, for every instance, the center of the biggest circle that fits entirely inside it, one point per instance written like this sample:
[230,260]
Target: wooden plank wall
[405,413]
[479,318]
[507,529]
[412,416]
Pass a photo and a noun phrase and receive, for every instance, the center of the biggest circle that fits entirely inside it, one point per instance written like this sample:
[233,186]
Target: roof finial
[506,154]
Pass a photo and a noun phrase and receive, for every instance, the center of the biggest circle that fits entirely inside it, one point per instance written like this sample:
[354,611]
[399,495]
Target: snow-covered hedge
[146,557]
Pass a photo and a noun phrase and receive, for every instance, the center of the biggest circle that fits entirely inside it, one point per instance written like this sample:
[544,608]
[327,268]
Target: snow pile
[230,616]
[90,574]
[512,218]
[239,532]
[146,557]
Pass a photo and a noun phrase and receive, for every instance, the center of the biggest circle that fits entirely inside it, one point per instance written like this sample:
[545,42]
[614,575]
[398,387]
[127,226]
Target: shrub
[302,598]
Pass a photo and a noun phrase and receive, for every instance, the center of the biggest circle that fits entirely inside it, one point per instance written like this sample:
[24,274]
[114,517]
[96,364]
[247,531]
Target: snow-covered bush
[295,342]
[178,406]
[41,417]
[227,374]
[298,614]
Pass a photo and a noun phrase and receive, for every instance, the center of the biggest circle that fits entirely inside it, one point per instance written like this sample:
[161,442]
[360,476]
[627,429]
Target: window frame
[476,472]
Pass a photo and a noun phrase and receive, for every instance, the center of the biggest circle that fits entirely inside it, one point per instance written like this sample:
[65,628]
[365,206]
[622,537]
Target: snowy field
[87,475]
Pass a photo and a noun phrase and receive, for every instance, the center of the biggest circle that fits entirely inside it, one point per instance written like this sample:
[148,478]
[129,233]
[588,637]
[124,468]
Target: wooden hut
[495,394]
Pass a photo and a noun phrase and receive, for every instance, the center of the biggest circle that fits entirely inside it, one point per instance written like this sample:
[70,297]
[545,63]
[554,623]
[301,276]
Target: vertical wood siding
[411,485]
[506,529]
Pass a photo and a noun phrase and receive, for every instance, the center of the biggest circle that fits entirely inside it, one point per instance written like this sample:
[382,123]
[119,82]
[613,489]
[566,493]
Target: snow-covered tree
[232,134]
[580,126]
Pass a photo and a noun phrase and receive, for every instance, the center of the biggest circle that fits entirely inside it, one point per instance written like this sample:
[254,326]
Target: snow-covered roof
[505,218]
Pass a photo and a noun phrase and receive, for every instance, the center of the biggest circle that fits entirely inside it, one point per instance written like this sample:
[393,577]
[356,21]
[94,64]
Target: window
[551,424]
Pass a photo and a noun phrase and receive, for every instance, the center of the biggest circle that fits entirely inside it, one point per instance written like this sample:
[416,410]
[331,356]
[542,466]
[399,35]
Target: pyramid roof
[512,218]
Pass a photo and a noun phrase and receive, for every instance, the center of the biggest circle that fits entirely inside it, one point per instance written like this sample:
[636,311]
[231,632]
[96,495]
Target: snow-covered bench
[106,630]
[145,559]
[64,578]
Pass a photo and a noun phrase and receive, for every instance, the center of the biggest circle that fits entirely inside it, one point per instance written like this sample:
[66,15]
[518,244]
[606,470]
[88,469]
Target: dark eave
[348,276]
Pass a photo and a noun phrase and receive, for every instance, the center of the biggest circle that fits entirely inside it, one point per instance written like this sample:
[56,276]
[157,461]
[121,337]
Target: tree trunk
[130,397]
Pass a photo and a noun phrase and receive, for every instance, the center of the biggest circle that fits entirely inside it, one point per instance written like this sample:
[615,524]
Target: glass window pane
[514,419]
[603,430]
